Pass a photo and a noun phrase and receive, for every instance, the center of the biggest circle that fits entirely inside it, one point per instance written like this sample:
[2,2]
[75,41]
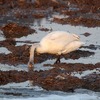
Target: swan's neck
[31,59]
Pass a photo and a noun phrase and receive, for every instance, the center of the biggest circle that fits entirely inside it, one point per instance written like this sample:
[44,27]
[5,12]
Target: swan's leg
[58,59]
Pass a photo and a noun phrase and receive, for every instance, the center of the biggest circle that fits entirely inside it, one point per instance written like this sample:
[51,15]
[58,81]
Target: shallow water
[4,50]
[25,91]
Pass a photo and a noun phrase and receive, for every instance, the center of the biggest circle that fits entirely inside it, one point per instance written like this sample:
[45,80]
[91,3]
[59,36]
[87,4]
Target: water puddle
[6,67]
[85,73]
[27,84]
[24,67]
[4,50]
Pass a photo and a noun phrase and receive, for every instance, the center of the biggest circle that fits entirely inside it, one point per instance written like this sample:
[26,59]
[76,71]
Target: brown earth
[78,21]
[13,30]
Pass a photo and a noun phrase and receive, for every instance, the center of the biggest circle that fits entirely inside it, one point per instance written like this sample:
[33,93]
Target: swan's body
[57,42]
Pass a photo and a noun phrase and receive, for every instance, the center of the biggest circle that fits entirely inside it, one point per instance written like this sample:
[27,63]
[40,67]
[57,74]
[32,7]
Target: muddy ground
[15,19]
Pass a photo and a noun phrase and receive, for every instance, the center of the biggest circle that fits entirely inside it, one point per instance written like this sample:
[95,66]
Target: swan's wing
[72,47]
[56,35]
[57,38]
[55,42]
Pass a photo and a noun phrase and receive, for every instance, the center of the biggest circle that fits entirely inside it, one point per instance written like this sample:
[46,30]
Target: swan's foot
[58,60]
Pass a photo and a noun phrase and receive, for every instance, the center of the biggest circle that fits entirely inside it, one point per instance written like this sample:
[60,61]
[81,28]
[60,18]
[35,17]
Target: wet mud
[15,19]
[78,21]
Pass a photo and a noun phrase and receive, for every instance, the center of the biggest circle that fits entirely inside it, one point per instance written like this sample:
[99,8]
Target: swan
[56,42]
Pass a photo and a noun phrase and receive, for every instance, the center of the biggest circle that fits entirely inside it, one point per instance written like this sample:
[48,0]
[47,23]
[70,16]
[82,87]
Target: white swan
[57,42]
